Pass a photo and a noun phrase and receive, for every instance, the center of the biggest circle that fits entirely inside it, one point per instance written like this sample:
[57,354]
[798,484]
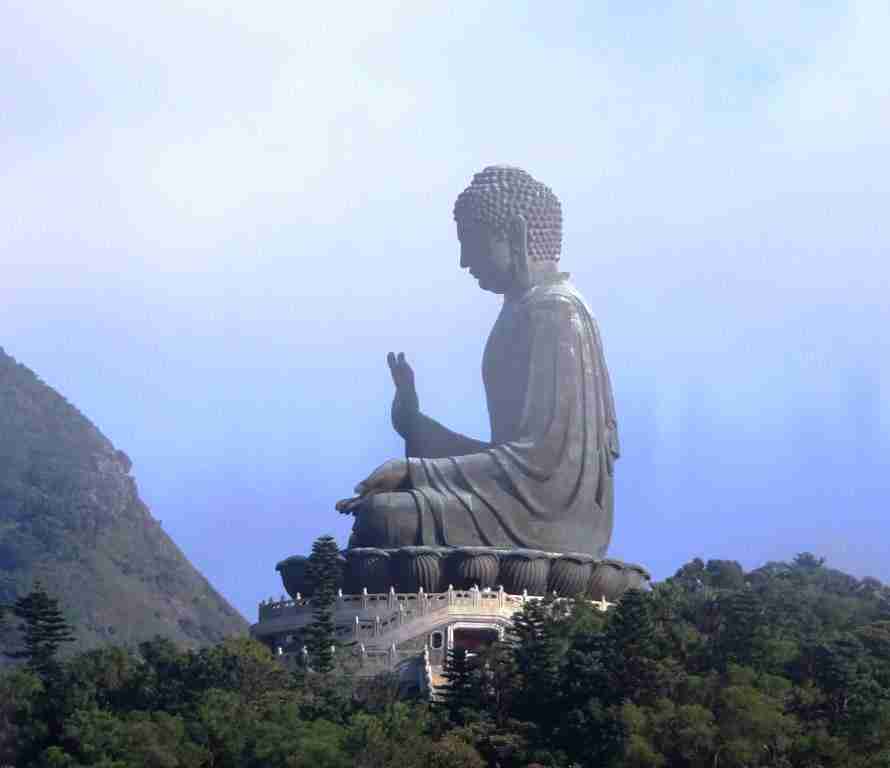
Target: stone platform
[400,633]
[401,610]
[434,569]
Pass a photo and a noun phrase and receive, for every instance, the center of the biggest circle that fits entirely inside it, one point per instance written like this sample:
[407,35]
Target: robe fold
[545,480]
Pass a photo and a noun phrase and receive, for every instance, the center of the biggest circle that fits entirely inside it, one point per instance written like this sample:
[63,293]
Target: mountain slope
[71,516]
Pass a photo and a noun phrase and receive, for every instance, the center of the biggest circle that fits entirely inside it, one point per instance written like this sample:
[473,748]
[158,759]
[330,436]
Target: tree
[807,561]
[44,630]
[740,628]
[453,752]
[323,574]
[590,729]
[632,625]
[753,725]
[632,650]
[158,682]
[460,697]
[537,654]
[725,574]
[21,724]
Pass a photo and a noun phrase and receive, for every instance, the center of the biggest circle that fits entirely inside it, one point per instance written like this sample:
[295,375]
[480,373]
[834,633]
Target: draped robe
[545,481]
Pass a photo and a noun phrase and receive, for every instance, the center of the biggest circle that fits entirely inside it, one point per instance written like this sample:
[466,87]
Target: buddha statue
[544,481]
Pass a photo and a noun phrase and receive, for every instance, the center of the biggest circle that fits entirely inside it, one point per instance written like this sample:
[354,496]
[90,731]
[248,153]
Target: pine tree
[632,650]
[589,729]
[43,629]
[460,697]
[536,651]
[632,625]
[737,642]
[323,573]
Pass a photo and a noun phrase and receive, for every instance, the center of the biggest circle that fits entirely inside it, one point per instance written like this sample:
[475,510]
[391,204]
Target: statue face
[486,255]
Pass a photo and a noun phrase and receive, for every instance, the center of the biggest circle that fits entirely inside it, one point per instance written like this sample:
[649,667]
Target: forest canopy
[784,666]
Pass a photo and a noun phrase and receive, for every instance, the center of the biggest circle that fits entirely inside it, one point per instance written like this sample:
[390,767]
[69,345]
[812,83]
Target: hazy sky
[217,219]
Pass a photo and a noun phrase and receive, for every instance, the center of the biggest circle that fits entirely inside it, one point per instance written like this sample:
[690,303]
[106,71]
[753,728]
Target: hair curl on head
[500,192]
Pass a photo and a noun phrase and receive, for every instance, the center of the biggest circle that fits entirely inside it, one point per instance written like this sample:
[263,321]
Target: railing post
[364,598]
[500,596]
[450,595]
[356,628]
[377,626]
[391,600]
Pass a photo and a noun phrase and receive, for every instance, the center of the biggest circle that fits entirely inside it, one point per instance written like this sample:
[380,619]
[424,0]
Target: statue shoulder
[560,297]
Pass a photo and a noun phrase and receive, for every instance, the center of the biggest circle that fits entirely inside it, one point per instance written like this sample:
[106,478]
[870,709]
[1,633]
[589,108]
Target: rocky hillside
[71,516]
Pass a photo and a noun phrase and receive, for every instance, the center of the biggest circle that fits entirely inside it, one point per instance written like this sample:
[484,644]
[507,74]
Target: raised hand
[405,403]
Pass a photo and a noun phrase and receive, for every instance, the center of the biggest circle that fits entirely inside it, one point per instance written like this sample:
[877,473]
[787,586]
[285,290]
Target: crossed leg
[387,521]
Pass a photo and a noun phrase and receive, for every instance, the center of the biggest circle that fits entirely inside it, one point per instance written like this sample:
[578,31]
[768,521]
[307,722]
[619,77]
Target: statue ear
[518,234]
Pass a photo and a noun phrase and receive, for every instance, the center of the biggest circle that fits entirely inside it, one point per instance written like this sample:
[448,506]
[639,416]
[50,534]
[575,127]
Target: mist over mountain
[71,517]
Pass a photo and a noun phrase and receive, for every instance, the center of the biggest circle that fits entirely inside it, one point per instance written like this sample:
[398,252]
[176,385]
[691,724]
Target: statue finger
[406,372]
[398,370]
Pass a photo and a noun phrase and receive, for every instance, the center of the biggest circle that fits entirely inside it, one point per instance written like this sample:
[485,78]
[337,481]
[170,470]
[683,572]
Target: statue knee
[386,520]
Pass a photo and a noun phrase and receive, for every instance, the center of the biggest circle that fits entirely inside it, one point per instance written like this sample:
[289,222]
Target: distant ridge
[71,516]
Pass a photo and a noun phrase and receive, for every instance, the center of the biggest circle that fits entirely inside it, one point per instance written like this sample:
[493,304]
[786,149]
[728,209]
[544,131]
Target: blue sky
[218,218]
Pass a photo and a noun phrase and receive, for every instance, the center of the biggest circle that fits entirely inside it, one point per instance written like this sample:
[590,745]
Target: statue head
[509,227]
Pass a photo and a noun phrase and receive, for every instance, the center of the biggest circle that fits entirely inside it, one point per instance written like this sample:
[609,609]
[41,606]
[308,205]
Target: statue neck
[540,273]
